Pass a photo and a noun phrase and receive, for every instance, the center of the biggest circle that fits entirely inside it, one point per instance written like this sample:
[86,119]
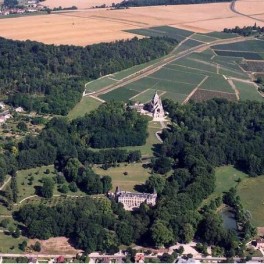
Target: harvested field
[203,95]
[85,27]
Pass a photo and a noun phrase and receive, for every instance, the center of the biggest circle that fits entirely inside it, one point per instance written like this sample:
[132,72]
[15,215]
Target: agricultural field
[84,27]
[85,106]
[248,91]
[136,175]
[253,66]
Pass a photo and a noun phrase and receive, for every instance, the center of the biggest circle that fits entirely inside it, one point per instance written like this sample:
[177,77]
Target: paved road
[233,9]
[170,58]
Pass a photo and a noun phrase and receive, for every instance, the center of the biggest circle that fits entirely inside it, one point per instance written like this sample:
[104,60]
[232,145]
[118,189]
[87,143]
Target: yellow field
[90,26]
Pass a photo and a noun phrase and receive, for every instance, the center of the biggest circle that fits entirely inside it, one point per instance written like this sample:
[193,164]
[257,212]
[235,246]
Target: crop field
[217,84]
[240,54]
[85,106]
[88,26]
[253,66]
[201,95]
[248,91]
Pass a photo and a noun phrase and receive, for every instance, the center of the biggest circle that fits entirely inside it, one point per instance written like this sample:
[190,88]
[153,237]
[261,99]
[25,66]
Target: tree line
[50,79]
[245,31]
[134,3]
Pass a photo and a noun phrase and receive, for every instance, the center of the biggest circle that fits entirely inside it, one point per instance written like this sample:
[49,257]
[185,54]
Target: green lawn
[85,106]
[226,178]
[136,175]
[251,193]
[38,173]
[248,92]
[7,243]
[147,149]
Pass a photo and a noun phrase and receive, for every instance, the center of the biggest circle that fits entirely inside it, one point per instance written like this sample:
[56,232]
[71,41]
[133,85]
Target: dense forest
[112,125]
[131,3]
[201,137]
[50,79]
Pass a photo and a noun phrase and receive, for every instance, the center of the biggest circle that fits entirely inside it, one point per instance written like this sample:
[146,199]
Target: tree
[125,233]
[155,182]
[166,258]
[47,188]
[14,188]
[161,234]
[73,187]
[64,188]
[16,233]
[71,169]
[22,246]
[22,126]
[107,183]
[162,165]
[37,246]
[188,233]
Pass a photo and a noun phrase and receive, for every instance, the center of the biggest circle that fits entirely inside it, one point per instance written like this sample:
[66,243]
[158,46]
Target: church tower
[156,108]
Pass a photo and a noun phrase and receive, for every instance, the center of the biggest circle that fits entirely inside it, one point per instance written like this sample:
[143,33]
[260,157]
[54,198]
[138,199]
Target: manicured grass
[85,106]
[251,193]
[248,45]
[248,92]
[7,242]
[136,175]
[38,173]
[217,84]
[203,38]
[226,178]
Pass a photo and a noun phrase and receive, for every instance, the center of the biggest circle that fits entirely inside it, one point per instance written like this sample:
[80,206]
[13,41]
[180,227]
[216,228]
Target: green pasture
[136,175]
[217,84]
[26,189]
[247,91]
[251,193]
[9,244]
[226,177]
[85,106]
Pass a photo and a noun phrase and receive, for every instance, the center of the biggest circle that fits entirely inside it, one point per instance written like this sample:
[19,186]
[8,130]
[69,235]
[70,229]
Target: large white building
[132,201]
[156,108]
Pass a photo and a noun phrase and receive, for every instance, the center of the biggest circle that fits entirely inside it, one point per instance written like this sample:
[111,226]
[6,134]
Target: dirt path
[234,88]
[5,183]
[97,98]
[194,90]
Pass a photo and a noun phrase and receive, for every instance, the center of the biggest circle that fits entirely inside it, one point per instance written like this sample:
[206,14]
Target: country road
[233,9]
[158,65]
[5,183]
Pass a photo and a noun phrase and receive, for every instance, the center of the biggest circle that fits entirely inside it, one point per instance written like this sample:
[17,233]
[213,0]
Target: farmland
[88,26]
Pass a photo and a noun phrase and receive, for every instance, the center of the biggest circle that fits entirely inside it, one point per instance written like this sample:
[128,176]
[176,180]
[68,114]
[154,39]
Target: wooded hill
[50,79]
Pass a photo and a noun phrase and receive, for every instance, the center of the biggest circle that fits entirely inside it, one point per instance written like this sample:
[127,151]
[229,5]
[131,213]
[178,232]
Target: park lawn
[85,106]
[38,173]
[136,175]
[226,178]
[251,194]
[248,91]
[147,149]
[7,242]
